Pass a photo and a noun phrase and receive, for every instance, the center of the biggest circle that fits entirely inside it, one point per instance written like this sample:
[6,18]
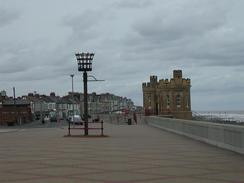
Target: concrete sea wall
[229,137]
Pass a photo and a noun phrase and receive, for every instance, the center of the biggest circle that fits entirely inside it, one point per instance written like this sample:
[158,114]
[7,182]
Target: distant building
[168,98]
[39,106]
[3,93]
[15,112]
[3,96]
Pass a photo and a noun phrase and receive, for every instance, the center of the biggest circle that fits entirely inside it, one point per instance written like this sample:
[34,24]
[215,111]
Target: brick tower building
[168,98]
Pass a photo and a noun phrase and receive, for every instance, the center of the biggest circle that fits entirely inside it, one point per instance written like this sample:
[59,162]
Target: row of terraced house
[37,106]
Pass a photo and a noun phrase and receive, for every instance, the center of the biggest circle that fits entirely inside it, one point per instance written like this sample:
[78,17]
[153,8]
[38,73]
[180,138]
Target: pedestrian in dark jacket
[134,117]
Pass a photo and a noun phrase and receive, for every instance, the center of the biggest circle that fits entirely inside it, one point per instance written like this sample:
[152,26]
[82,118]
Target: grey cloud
[219,55]
[12,68]
[226,88]
[133,4]
[13,62]
[29,63]
[217,80]
[131,40]
[7,17]
[85,26]
[38,73]
[180,22]
[200,34]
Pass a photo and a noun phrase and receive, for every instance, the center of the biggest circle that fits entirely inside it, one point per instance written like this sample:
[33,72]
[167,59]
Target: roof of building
[15,102]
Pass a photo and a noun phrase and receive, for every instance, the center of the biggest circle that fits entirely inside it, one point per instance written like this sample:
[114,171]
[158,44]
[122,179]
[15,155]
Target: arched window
[187,104]
[149,99]
[178,101]
[168,101]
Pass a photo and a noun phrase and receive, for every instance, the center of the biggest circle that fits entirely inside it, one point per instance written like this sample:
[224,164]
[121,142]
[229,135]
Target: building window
[149,100]
[187,105]
[168,101]
[178,101]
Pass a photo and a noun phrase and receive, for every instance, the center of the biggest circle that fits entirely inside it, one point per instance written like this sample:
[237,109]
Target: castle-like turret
[168,97]
[177,74]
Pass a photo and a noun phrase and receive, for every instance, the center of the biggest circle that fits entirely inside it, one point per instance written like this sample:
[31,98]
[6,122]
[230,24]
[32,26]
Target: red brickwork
[11,114]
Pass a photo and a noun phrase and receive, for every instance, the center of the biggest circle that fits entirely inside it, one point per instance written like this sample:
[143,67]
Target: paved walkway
[8,130]
[131,154]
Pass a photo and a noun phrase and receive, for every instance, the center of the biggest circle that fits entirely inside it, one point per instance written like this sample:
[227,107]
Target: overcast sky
[132,39]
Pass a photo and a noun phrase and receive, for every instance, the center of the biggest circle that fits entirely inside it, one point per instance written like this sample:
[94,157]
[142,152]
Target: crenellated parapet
[174,83]
[150,85]
[166,83]
[146,85]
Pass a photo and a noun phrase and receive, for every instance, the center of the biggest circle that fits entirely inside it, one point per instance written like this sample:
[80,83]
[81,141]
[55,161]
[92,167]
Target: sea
[234,116]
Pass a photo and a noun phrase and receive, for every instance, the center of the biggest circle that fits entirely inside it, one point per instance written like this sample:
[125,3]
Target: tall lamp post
[15,109]
[72,77]
[84,61]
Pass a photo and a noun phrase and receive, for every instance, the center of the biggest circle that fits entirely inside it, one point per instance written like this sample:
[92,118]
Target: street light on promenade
[72,77]
[84,61]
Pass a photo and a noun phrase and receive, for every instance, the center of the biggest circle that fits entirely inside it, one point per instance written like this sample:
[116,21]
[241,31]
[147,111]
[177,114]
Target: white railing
[229,137]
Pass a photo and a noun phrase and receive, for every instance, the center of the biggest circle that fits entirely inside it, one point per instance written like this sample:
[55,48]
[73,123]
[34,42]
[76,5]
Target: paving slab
[8,130]
[131,154]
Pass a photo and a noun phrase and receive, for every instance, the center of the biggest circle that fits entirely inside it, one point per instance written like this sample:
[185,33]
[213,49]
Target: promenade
[131,154]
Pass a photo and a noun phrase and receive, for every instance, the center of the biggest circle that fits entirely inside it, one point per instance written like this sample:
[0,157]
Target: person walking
[135,117]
